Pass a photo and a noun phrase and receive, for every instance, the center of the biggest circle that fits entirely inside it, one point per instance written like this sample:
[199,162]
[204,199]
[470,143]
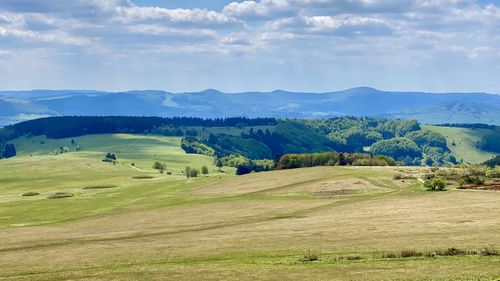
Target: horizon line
[75,90]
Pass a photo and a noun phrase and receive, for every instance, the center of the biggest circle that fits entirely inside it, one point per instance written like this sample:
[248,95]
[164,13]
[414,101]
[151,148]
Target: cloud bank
[314,44]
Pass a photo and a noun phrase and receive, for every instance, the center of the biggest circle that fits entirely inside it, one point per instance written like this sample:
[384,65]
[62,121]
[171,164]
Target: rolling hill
[349,223]
[464,142]
[426,107]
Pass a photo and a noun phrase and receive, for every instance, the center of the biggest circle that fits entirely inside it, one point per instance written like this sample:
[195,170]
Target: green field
[466,141]
[223,227]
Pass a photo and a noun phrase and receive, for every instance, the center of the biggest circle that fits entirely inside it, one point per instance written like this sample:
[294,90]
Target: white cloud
[483,51]
[252,10]
[236,39]
[300,32]
[201,17]
[5,53]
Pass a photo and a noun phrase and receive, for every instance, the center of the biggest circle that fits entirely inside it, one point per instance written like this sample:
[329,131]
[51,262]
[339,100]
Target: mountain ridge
[430,108]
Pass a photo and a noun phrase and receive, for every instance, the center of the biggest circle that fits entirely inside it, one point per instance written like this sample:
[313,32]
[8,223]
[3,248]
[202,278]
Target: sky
[260,45]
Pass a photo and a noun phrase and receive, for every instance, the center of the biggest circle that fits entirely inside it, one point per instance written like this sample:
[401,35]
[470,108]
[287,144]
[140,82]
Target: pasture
[323,223]
[463,142]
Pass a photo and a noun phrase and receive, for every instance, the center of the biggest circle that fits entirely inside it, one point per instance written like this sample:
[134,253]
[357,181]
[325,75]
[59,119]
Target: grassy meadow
[323,223]
[465,142]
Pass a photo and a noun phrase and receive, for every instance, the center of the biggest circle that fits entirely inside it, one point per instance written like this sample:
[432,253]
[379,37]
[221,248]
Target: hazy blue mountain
[427,107]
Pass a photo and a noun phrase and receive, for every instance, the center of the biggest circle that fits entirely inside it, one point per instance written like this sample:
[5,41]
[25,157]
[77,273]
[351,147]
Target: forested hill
[263,138]
[427,108]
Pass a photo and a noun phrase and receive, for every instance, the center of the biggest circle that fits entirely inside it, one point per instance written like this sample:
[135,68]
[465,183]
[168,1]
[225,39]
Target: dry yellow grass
[255,227]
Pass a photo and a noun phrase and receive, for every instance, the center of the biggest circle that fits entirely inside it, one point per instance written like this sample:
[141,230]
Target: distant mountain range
[429,108]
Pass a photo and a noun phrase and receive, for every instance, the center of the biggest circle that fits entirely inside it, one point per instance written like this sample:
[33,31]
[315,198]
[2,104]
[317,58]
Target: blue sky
[261,45]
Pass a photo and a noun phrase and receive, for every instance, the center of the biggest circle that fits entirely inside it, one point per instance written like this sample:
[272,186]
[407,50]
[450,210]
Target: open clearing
[466,141]
[253,227]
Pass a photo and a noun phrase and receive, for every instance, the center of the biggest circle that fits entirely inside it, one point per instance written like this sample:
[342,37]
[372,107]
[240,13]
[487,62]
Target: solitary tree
[10,151]
[219,164]
[342,160]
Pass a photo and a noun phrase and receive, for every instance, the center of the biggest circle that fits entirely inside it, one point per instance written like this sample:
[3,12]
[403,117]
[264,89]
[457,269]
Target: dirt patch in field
[334,192]
[101,186]
[27,194]
[60,195]
[340,185]
[334,187]
[487,186]
[143,177]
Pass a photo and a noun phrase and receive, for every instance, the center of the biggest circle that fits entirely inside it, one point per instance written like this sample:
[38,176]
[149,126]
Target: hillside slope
[464,142]
[253,227]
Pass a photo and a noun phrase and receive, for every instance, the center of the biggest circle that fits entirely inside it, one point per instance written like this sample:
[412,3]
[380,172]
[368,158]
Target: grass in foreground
[359,222]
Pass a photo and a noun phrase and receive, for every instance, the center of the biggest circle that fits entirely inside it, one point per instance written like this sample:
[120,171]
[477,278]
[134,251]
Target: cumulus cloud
[200,17]
[296,31]
[236,39]
[106,22]
[264,9]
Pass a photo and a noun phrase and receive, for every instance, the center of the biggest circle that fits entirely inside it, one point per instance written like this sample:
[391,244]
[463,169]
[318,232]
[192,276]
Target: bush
[204,170]
[470,179]
[409,253]
[488,251]
[159,166]
[110,158]
[190,172]
[243,170]
[493,173]
[435,184]
[451,252]
[310,257]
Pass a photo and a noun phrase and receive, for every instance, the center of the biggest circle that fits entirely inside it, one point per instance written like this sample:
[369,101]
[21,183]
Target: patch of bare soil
[334,192]
[486,186]
[337,187]
[340,186]
[100,186]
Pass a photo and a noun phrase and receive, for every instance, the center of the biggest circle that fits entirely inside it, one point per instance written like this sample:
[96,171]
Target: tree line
[293,161]
[73,126]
